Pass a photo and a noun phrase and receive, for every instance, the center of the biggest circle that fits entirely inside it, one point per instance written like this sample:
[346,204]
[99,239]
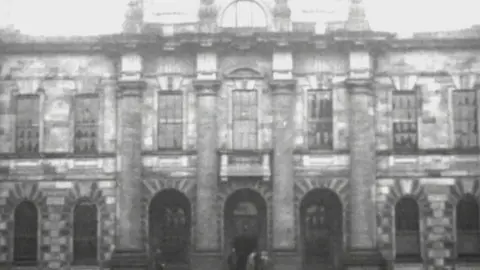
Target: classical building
[335,150]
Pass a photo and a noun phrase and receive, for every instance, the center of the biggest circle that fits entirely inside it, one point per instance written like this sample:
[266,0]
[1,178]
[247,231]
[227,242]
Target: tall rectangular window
[27,129]
[86,123]
[320,119]
[404,120]
[245,119]
[170,120]
[465,119]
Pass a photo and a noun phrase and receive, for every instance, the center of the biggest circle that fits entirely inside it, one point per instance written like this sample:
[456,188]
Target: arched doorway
[321,230]
[169,226]
[245,222]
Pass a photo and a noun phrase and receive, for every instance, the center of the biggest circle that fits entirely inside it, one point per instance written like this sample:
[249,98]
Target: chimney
[357,18]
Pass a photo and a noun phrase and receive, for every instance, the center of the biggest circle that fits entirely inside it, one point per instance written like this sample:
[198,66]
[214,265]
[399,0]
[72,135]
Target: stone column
[363,252]
[129,250]
[283,92]
[283,131]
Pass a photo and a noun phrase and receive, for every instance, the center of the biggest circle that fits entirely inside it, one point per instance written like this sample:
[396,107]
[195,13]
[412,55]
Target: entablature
[306,163]
[171,164]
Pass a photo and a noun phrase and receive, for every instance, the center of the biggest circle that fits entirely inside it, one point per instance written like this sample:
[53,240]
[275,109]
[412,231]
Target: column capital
[283,86]
[206,87]
[359,86]
[131,88]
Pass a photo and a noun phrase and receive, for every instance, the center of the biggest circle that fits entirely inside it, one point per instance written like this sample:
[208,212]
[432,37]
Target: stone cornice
[122,43]
[283,86]
[131,88]
[206,87]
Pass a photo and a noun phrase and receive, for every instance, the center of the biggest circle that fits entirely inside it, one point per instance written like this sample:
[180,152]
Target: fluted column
[363,250]
[129,250]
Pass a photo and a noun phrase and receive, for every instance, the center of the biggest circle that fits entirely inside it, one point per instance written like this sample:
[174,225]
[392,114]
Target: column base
[365,259]
[129,259]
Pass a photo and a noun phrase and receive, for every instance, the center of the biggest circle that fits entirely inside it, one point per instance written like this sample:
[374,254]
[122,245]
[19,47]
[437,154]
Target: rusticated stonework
[92,192]
[12,195]
[230,187]
[154,185]
[389,191]
[339,186]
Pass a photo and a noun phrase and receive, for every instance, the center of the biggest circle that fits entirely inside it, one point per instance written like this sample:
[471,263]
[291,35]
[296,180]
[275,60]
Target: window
[407,229]
[244,14]
[404,120]
[27,124]
[245,119]
[86,123]
[320,119]
[170,119]
[85,229]
[468,227]
[25,243]
[465,119]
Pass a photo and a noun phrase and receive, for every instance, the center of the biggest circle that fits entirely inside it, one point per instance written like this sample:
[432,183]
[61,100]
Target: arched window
[244,14]
[25,243]
[85,234]
[468,227]
[407,227]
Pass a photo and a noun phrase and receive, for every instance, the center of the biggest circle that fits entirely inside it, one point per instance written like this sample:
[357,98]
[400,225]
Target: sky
[91,17]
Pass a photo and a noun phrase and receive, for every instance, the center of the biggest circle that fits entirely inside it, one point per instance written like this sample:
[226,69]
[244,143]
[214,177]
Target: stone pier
[129,253]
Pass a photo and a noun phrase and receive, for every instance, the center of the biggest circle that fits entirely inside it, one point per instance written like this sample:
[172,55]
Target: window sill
[407,258]
[429,152]
[320,151]
[54,155]
[469,258]
[170,152]
[245,151]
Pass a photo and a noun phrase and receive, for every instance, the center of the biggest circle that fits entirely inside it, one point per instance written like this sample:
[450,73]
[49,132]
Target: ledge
[54,155]
[169,153]
[420,152]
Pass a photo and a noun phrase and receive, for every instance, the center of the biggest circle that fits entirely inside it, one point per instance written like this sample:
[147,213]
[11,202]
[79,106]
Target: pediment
[243,73]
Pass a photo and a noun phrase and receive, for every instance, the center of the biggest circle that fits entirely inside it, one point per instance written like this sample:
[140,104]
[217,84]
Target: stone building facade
[341,150]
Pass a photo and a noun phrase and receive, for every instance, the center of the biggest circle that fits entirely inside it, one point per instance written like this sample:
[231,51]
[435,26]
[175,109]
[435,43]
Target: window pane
[170,120]
[320,119]
[404,120]
[465,119]
[86,124]
[85,242]
[244,119]
[25,234]
[407,228]
[27,124]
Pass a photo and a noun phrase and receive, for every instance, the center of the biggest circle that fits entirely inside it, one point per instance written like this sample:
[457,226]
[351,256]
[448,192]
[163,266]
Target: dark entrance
[322,234]
[245,223]
[169,227]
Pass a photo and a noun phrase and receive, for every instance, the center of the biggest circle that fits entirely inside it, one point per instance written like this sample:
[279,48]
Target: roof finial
[282,13]
[357,19]
[207,15]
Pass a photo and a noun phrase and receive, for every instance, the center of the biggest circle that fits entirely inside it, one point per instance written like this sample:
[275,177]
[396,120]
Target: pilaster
[283,130]
[362,248]
[207,232]
[129,250]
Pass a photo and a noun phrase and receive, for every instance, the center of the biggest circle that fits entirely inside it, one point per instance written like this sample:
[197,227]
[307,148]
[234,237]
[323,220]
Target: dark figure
[159,259]
[232,260]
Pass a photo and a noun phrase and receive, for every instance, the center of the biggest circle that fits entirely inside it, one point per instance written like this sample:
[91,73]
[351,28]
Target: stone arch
[460,189]
[229,189]
[339,186]
[153,186]
[19,193]
[180,211]
[400,189]
[266,10]
[91,192]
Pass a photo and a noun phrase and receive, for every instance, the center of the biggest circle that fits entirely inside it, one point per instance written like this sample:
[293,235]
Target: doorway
[169,226]
[321,230]
[245,224]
